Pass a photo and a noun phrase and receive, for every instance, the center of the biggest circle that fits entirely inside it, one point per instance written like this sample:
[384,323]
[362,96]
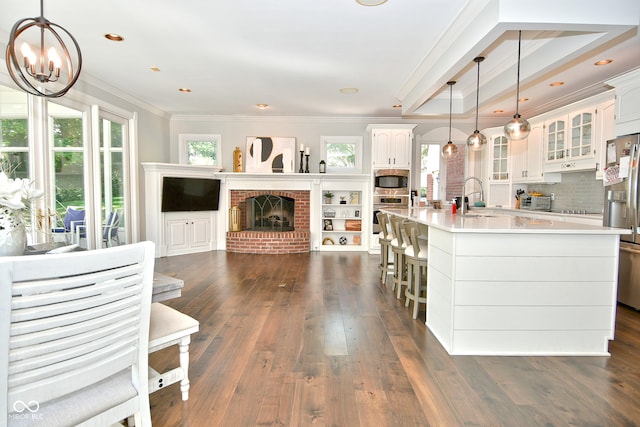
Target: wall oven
[391,181]
[390,190]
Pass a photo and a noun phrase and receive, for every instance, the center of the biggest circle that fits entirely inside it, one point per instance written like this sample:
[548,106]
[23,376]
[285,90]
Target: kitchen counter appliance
[535,203]
[622,210]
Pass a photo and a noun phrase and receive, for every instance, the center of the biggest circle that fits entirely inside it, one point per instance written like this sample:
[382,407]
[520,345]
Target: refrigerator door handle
[632,195]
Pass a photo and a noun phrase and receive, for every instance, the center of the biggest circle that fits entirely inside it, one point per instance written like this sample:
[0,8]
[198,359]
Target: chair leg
[416,289]
[184,364]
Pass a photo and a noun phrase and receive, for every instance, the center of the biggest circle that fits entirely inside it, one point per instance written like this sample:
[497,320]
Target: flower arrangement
[15,193]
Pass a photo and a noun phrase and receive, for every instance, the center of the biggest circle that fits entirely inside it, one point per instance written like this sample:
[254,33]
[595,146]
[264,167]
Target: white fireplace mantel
[155,229]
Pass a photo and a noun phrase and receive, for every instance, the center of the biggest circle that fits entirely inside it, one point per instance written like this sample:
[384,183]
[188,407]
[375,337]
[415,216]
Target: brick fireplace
[266,241]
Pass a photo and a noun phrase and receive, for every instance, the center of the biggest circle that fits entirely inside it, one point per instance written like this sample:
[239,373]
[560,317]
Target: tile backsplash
[578,190]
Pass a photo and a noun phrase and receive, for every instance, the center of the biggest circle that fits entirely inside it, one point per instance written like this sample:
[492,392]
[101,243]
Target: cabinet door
[499,158]
[519,153]
[605,130]
[534,152]
[177,234]
[555,137]
[381,148]
[401,148]
[200,232]
[581,134]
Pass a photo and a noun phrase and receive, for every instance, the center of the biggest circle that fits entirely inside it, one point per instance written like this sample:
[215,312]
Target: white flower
[15,192]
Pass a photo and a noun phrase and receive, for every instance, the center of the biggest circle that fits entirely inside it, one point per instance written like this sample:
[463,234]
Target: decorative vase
[13,234]
[237,160]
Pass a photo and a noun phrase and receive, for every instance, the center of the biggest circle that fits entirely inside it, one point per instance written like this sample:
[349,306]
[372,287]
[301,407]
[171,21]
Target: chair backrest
[73,216]
[70,324]
[383,222]
[410,229]
[111,228]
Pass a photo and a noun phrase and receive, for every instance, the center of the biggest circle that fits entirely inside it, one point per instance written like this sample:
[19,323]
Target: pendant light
[450,150]
[52,67]
[517,128]
[476,140]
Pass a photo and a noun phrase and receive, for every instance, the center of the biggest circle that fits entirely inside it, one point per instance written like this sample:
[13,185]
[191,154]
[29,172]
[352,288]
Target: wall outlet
[553,196]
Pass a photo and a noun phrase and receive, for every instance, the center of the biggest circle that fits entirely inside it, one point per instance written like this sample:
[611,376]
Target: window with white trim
[342,154]
[200,149]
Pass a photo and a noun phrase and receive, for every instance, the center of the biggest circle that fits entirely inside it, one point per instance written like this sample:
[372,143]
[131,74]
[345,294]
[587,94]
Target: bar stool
[385,237]
[416,258]
[398,246]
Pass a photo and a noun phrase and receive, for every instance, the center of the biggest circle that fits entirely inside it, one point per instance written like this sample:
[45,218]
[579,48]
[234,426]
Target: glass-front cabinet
[499,159]
[581,141]
[555,136]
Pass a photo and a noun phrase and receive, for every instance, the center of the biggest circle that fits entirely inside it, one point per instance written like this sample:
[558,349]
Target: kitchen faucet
[462,203]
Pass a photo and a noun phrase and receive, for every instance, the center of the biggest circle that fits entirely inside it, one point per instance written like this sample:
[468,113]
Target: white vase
[13,234]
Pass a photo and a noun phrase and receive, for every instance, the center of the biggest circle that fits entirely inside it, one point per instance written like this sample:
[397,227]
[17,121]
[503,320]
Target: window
[342,154]
[200,149]
[14,134]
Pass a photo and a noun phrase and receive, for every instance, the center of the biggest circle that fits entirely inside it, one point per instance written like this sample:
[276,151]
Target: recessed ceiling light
[114,37]
[349,90]
[262,106]
[154,69]
[371,2]
[554,84]
[523,99]
[603,62]
[498,111]
[397,106]
[184,89]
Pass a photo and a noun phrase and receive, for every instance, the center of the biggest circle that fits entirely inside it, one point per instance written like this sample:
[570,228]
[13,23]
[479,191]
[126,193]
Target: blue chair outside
[73,220]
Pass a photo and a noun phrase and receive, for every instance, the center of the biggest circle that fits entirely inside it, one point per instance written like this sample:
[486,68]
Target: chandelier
[450,149]
[42,57]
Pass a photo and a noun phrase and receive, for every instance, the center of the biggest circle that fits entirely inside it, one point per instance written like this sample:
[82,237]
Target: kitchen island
[505,284]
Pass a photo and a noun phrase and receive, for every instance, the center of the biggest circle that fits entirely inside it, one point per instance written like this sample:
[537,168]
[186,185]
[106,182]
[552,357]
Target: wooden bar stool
[385,237]
[398,246]
[170,327]
[416,258]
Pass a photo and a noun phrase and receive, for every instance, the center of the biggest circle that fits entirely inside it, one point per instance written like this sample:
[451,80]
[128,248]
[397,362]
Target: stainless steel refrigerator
[622,210]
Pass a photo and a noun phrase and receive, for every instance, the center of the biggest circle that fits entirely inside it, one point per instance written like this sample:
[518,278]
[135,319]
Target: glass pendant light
[450,150]
[476,140]
[517,128]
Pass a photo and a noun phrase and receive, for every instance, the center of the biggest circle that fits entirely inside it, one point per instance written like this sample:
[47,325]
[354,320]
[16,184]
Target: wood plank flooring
[316,340]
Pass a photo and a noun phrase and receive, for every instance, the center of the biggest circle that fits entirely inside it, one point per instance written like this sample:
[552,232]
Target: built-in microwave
[391,181]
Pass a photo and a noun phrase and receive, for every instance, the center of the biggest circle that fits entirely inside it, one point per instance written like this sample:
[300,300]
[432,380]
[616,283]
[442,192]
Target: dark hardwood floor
[315,339]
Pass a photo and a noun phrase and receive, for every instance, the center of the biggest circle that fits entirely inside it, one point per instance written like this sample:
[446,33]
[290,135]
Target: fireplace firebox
[269,212]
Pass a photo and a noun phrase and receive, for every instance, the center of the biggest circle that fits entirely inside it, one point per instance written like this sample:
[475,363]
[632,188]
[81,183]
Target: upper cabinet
[498,156]
[527,157]
[627,88]
[391,145]
[605,130]
[573,139]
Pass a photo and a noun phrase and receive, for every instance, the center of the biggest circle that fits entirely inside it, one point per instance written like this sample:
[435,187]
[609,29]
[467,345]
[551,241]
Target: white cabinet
[188,232]
[627,103]
[526,158]
[570,141]
[605,130]
[391,147]
[342,217]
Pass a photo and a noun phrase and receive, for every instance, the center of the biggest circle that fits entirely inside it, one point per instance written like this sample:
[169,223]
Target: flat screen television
[181,194]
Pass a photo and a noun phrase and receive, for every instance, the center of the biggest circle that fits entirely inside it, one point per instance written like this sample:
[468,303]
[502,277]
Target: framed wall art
[274,154]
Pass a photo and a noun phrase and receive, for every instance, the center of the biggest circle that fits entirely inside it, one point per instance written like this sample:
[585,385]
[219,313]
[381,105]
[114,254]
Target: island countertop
[478,220]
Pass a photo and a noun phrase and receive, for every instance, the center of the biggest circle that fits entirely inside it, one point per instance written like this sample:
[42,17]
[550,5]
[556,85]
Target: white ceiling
[295,55]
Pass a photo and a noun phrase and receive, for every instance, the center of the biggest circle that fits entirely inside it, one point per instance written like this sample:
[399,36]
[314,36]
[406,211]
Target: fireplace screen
[270,213]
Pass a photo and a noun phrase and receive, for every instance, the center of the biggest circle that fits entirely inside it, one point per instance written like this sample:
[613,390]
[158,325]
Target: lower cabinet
[188,232]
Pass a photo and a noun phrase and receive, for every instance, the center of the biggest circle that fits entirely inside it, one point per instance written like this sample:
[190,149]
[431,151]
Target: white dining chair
[74,331]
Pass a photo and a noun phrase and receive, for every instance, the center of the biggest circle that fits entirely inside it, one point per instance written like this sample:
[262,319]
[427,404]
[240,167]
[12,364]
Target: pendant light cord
[518,76]
[478,60]
[450,105]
